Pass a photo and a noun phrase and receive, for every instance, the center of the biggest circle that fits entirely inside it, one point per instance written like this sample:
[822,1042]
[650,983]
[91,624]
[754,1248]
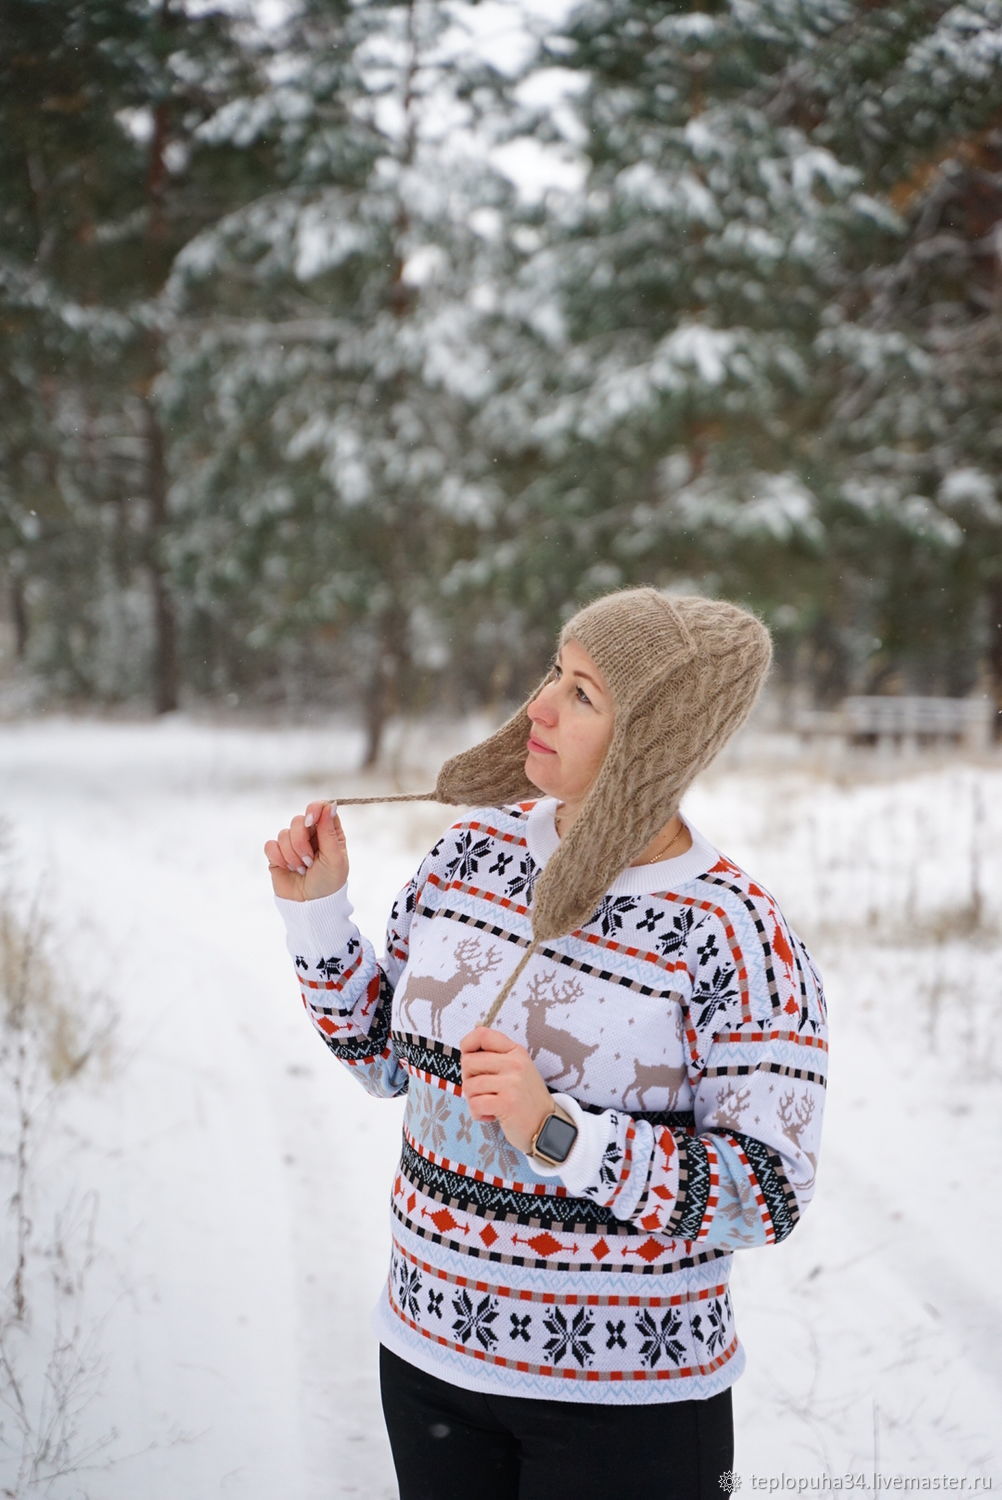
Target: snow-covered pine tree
[914,347]
[689,275]
[61,153]
[107,180]
[328,360]
[714,291]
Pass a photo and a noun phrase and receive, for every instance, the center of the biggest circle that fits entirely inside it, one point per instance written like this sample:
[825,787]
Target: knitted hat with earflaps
[684,673]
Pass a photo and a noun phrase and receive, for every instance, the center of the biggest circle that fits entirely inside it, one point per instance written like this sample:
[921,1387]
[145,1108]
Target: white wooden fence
[904,723]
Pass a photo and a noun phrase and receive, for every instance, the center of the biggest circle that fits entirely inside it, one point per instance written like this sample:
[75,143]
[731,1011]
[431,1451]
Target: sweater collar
[637,880]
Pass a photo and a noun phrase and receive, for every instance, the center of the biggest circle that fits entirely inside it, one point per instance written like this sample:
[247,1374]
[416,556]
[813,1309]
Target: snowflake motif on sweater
[569,1336]
[465,863]
[475,1319]
[660,1337]
[686,1022]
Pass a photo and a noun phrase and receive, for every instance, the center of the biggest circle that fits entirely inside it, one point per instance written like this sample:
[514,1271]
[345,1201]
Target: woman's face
[572,719]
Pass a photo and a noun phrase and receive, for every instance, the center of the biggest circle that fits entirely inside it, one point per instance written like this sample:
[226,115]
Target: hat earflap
[631,798]
[492,772]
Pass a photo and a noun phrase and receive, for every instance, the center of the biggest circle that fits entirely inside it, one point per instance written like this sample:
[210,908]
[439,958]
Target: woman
[613,1047]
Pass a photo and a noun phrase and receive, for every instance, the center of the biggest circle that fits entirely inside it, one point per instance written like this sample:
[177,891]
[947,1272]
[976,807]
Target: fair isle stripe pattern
[578,1230]
[766,1217]
[536,1190]
[697,1194]
[553,1247]
[370,1045]
[745,1070]
[775,1196]
[774,943]
[592,970]
[477,1195]
[570,1299]
[792,1037]
[493,898]
[432,1061]
[691,1020]
[565,1337]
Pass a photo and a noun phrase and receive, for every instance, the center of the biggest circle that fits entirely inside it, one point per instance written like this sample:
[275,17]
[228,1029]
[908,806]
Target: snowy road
[241,1177]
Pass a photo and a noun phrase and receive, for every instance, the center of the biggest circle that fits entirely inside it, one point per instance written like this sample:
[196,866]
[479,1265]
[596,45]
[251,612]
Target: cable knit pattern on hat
[684,674]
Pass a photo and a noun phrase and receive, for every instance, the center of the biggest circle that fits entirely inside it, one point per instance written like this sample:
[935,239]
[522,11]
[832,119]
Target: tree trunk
[19,615]
[828,664]
[994,654]
[382,698]
[378,708]
[165,662]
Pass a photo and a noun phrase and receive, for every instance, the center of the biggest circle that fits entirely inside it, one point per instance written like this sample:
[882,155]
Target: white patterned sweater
[684,1028]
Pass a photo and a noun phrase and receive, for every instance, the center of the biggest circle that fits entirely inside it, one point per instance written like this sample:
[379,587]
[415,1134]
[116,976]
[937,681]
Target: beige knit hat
[684,673]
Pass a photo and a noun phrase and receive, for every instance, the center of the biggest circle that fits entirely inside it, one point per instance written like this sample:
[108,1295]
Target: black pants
[452,1444]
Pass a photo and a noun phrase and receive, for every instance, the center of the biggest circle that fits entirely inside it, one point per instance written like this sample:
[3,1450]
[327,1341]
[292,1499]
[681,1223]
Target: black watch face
[556,1138]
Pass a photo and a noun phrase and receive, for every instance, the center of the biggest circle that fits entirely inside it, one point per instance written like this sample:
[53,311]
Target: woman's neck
[565,816]
[672,839]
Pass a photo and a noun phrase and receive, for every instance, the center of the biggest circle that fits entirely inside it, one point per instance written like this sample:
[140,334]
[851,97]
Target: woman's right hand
[309,859]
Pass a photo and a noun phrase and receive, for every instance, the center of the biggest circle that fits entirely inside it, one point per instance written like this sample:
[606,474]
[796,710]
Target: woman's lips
[541,749]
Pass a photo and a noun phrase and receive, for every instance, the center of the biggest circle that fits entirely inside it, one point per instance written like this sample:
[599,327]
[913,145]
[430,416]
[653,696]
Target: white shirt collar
[665,874]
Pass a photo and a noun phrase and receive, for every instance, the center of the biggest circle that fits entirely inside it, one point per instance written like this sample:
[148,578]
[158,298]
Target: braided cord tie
[509,983]
[398,797]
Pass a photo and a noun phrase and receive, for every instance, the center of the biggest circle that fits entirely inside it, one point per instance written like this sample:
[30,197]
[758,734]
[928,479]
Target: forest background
[344,349]
[339,341]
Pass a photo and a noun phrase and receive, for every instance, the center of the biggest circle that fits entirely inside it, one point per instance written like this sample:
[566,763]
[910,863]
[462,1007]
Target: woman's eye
[583,696]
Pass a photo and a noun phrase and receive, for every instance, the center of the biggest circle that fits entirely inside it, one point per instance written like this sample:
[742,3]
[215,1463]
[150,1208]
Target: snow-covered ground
[236,1179]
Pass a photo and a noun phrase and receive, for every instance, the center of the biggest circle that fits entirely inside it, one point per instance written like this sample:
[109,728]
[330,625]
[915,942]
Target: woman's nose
[540,708]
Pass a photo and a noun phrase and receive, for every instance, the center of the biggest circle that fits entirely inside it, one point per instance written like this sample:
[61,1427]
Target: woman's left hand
[501,1082]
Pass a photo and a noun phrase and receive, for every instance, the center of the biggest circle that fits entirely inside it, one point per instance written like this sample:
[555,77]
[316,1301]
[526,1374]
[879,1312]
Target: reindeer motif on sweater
[472,966]
[543,1037]
[687,1038]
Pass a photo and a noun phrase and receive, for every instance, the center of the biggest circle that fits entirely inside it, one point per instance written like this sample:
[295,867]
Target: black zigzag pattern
[361,1048]
[676,1119]
[429,1056]
[779,1196]
[694,1188]
[471,1196]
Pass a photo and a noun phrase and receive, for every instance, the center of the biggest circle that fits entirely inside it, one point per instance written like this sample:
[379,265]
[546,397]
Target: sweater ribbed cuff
[322,926]
[581,1166]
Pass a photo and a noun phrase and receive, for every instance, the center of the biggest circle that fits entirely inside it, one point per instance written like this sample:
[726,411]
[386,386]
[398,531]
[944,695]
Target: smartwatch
[553,1140]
